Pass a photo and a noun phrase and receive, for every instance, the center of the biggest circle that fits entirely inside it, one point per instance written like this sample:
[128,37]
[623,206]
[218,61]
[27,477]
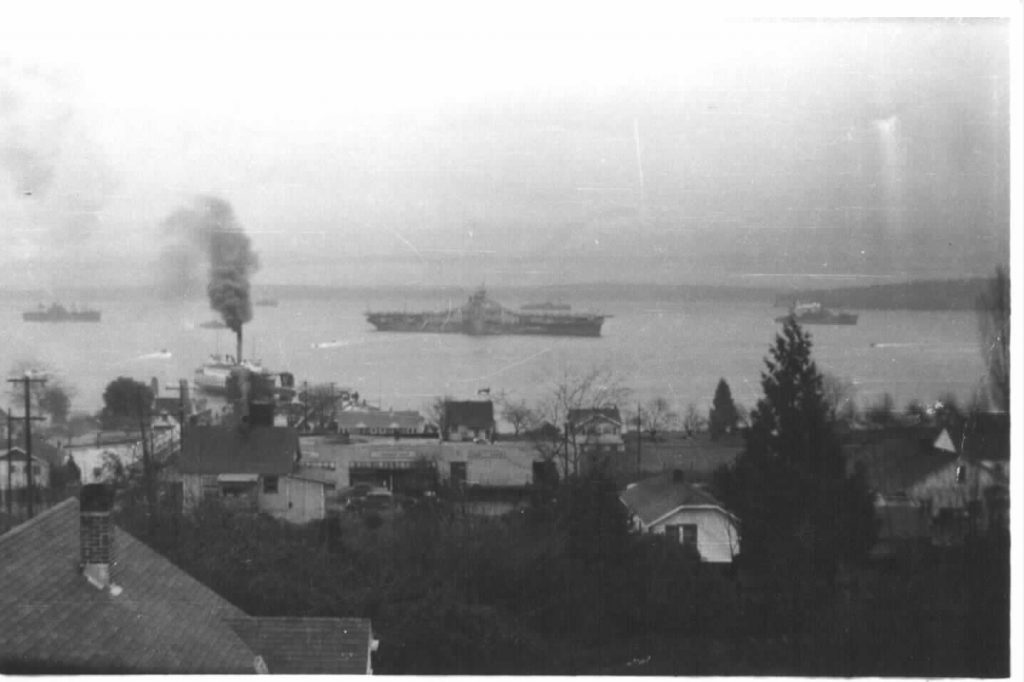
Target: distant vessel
[546,305]
[58,313]
[213,324]
[267,302]
[481,316]
[815,313]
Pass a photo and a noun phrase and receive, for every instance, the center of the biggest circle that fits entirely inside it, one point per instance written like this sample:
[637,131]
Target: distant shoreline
[954,294]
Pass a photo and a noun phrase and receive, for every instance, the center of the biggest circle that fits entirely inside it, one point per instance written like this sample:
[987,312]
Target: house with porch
[250,468]
[668,505]
[596,433]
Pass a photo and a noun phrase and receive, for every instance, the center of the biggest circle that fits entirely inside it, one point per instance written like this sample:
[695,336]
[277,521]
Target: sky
[448,145]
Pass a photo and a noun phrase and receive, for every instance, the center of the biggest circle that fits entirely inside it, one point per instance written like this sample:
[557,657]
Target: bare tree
[321,404]
[693,420]
[994,331]
[656,416]
[840,397]
[437,415]
[517,413]
[573,389]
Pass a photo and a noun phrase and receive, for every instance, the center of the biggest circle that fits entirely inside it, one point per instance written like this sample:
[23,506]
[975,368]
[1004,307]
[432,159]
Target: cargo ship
[815,313]
[481,316]
[58,313]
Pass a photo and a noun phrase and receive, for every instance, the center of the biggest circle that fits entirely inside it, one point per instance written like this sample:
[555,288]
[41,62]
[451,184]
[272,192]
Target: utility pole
[639,439]
[10,462]
[27,382]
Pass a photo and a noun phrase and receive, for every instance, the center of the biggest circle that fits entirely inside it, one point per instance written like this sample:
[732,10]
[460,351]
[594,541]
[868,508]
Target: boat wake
[162,354]
[324,345]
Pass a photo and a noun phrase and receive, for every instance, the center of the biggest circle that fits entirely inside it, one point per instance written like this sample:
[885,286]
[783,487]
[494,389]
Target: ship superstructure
[481,316]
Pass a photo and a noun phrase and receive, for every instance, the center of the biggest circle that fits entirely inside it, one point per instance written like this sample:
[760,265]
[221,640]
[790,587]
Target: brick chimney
[96,533]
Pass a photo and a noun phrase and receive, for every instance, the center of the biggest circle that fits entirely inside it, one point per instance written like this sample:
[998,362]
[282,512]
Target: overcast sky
[506,146]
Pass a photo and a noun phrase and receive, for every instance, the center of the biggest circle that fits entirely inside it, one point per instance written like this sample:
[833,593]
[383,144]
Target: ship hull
[528,326]
[834,319]
[68,317]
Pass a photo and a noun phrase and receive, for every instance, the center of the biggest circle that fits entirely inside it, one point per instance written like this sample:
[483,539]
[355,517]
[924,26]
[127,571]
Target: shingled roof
[264,450]
[52,619]
[580,416]
[473,414]
[654,498]
[309,646]
[161,620]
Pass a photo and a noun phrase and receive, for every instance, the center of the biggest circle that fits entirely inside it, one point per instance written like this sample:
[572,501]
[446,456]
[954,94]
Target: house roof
[655,498]
[40,451]
[162,621]
[581,416]
[309,645]
[896,459]
[267,450]
[409,419]
[474,414]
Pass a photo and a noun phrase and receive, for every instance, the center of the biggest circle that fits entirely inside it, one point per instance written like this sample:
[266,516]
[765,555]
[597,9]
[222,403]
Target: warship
[482,316]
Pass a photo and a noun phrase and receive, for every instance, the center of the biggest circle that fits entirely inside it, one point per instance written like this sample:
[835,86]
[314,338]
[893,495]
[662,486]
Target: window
[270,484]
[690,534]
[35,470]
[674,532]
[458,472]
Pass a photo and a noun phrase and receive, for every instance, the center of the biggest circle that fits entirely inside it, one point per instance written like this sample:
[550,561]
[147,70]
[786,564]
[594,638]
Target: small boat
[266,302]
[329,344]
[162,354]
[213,324]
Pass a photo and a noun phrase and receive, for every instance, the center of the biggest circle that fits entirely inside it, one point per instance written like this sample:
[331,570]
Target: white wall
[296,500]
[19,477]
[717,536]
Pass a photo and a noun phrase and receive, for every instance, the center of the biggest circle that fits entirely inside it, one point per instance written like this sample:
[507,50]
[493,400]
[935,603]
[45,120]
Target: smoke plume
[208,229]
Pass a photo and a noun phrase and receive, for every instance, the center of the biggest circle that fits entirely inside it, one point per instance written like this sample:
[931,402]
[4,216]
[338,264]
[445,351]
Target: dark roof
[474,414]
[162,621]
[308,645]
[267,450]
[894,462]
[653,498]
[579,416]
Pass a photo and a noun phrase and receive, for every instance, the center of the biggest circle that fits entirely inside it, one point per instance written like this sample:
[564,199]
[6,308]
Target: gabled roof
[52,618]
[473,414]
[581,416]
[309,645]
[654,498]
[265,450]
[40,451]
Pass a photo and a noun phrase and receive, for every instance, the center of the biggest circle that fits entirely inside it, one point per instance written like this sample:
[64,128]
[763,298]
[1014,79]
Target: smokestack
[96,533]
[238,335]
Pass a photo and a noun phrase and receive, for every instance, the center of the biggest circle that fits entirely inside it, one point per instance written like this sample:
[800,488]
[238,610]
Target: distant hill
[960,294]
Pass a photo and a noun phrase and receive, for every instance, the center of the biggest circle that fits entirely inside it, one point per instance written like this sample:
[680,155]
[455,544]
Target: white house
[253,469]
[668,505]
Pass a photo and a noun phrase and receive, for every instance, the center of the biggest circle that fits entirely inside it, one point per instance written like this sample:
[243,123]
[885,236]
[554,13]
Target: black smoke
[208,230]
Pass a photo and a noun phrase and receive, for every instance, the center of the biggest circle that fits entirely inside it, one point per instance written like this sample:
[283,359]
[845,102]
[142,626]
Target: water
[675,349]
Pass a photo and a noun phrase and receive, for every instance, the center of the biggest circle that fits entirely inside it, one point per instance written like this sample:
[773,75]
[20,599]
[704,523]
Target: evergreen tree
[723,416]
[801,511]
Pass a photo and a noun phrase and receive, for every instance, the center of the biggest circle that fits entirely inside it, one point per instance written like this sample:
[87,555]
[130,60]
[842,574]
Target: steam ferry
[58,313]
